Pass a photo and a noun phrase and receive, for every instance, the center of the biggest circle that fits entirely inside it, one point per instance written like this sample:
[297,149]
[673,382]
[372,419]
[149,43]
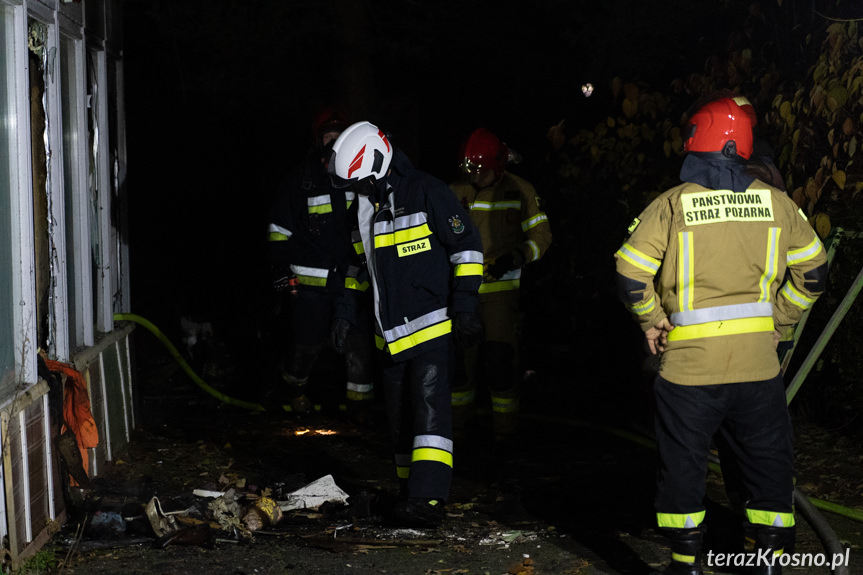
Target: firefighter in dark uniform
[515,231]
[704,274]
[423,259]
[309,244]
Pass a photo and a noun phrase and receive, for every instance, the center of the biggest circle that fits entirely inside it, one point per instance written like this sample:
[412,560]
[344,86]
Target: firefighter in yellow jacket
[515,232]
[714,270]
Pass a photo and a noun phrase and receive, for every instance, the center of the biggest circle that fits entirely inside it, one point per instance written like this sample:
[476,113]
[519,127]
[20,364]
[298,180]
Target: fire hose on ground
[179,359]
[807,506]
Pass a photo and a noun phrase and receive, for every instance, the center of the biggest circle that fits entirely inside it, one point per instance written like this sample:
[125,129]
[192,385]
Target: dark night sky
[220,96]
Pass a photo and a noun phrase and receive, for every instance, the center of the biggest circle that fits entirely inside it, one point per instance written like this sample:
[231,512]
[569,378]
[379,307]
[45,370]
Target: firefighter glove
[505,263]
[467,329]
[339,334]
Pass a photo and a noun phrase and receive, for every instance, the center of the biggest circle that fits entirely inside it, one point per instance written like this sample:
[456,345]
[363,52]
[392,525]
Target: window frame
[103,287]
[20,204]
[77,263]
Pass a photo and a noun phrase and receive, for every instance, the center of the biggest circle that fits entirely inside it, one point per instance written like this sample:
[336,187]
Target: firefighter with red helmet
[714,271]
[309,244]
[422,258]
[515,231]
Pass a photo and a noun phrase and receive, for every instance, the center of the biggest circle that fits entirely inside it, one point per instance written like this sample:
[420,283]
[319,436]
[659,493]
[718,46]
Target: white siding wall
[84,153]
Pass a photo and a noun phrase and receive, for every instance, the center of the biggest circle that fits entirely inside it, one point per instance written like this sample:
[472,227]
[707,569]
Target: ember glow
[313,431]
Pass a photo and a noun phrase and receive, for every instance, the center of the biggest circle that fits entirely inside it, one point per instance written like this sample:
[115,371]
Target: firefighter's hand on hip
[657,336]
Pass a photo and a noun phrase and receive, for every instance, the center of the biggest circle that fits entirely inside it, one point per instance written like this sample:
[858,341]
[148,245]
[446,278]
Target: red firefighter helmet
[328,120]
[483,150]
[724,125]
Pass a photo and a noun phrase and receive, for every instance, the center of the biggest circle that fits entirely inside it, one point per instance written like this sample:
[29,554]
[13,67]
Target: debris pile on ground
[204,491]
[231,514]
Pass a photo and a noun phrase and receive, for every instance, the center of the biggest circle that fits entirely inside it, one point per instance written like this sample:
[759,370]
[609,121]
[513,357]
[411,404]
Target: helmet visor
[468,166]
[338,181]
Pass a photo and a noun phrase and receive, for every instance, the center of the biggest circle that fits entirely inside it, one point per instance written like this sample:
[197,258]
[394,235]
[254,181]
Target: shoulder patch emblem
[456,224]
[633,225]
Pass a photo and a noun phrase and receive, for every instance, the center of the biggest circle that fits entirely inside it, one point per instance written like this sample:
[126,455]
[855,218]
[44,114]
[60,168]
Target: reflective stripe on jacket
[509,217]
[424,259]
[714,263]
[307,229]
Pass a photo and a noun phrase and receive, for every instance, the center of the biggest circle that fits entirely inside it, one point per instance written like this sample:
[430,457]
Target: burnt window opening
[42,219]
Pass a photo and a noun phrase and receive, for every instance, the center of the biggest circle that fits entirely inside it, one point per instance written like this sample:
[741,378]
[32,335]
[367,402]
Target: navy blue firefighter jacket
[422,257]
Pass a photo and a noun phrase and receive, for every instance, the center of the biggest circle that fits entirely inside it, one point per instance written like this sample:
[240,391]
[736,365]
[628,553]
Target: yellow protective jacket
[714,263]
[509,217]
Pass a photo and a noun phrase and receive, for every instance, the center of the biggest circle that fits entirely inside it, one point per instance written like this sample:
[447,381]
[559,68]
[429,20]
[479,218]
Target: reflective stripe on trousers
[418,396]
[751,418]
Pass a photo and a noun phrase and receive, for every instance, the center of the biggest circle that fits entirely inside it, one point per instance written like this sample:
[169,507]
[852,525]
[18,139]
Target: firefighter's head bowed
[361,156]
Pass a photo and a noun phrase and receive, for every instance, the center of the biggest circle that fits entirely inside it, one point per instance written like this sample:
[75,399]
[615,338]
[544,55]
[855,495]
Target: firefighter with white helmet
[714,270]
[422,258]
[309,253]
[515,232]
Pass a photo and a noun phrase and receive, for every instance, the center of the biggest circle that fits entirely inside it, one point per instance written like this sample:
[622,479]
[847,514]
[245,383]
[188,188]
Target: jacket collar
[716,172]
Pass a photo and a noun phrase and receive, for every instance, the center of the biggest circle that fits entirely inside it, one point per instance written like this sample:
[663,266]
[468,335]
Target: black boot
[295,374]
[685,551]
[416,512]
[770,543]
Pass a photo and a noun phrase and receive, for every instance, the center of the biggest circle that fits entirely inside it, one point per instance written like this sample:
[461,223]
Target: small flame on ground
[313,431]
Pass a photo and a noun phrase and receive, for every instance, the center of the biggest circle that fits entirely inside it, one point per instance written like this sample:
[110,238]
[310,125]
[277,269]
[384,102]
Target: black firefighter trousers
[752,419]
[417,393]
[312,311]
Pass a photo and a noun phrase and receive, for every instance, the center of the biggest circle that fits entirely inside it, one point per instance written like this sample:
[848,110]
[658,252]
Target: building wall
[62,255]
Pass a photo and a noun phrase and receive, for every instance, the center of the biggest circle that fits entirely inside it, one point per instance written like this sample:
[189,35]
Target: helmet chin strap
[365,187]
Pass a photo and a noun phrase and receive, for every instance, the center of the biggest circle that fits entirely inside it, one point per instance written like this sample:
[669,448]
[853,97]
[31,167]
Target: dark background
[221,94]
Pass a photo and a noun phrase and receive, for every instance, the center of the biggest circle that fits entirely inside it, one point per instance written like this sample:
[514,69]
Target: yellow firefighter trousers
[493,364]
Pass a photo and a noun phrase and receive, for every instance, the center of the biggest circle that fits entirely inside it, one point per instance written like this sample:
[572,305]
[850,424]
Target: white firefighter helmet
[361,151]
